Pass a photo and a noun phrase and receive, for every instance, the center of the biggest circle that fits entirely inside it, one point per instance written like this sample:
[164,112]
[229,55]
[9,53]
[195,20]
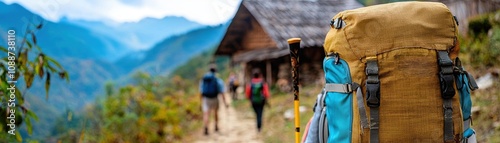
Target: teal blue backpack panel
[464,91]
[469,132]
[338,105]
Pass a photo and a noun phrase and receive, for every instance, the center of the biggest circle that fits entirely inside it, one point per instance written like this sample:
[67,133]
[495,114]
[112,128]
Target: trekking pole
[294,59]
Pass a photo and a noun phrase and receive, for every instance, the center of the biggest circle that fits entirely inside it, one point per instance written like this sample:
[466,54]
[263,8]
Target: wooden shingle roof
[281,20]
[307,19]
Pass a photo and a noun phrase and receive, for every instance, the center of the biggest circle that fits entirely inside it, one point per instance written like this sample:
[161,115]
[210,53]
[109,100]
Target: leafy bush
[479,25]
[482,45]
[138,113]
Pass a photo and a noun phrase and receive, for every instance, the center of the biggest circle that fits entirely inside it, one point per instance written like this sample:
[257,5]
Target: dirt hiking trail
[233,128]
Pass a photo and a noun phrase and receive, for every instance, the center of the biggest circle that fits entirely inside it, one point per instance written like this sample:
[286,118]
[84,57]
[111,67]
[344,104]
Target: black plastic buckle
[447,90]
[372,84]
[372,95]
[446,77]
[336,57]
[337,23]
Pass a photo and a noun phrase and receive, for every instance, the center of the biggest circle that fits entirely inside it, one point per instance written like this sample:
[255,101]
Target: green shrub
[481,48]
[479,25]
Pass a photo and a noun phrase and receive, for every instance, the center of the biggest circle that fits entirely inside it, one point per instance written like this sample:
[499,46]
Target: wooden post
[269,73]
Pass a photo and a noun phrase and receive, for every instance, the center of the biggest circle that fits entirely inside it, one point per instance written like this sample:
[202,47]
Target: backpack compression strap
[373,97]
[447,93]
[348,88]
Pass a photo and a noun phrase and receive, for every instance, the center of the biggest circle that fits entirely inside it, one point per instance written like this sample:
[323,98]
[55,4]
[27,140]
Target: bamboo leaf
[66,76]
[28,78]
[16,75]
[51,69]
[23,58]
[39,66]
[40,72]
[37,70]
[19,97]
[18,136]
[47,86]
[29,44]
[41,58]
[61,75]
[32,114]
[33,37]
[39,26]
[54,62]
[38,48]
[3,49]
[23,109]
[28,125]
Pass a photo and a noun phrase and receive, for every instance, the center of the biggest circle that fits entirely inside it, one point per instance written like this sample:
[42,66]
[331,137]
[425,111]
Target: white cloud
[208,12]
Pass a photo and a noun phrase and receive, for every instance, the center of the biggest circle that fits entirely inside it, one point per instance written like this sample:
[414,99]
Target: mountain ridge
[143,34]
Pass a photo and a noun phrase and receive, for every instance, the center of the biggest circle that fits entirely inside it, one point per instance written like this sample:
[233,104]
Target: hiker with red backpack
[258,94]
[211,87]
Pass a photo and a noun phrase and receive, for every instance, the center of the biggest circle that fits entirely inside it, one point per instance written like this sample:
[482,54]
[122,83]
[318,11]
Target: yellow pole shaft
[297,121]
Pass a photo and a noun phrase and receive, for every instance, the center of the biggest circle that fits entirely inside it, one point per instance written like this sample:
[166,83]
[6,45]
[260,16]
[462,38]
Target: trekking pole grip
[294,44]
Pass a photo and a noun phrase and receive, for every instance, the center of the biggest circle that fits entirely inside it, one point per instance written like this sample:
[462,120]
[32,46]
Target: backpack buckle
[335,56]
[373,95]
[372,83]
[446,75]
[337,23]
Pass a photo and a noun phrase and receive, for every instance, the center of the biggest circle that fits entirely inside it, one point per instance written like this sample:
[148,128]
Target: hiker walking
[233,85]
[258,93]
[211,87]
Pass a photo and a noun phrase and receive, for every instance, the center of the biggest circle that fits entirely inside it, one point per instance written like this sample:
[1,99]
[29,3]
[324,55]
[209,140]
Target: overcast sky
[209,12]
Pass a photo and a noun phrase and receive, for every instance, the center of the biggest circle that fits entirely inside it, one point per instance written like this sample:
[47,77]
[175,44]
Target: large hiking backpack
[210,86]
[390,78]
[257,95]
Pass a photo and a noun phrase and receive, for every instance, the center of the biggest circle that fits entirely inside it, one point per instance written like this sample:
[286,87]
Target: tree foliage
[23,62]
[482,45]
[142,112]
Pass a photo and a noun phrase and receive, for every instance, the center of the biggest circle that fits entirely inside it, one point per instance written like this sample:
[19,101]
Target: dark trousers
[258,108]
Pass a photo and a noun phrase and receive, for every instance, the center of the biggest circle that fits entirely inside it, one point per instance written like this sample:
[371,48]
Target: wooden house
[257,37]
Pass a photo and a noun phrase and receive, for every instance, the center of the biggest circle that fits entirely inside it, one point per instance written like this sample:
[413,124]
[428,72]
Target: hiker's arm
[247,91]
[222,91]
[224,99]
[266,91]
